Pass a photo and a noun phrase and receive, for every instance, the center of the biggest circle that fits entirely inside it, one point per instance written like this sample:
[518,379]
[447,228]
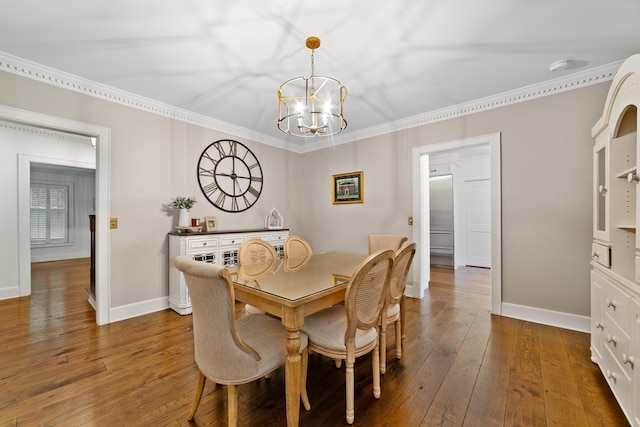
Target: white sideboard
[615,252]
[219,247]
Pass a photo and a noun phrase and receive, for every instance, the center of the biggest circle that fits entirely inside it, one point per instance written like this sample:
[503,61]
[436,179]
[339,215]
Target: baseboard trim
[547,317]
[138,309]
[10,292]
[412,290]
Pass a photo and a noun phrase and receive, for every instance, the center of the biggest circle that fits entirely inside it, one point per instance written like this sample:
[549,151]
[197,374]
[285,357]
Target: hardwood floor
[461,367]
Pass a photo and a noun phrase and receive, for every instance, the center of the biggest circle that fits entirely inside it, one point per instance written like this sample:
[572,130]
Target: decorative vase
[183,218]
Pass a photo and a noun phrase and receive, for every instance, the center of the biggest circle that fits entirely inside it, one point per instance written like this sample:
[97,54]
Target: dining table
[291,292]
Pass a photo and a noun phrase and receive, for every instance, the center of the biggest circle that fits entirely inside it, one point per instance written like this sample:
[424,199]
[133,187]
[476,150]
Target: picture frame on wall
[348,188]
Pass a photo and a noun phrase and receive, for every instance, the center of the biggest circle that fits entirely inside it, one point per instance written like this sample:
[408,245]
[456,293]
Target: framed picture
[348,188]
[209,223]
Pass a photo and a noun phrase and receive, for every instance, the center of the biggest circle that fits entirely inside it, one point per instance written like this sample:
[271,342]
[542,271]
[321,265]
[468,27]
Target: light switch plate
[113,223]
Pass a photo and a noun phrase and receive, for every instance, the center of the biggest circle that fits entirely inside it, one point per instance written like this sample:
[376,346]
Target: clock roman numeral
[220,199]
[205,172]
[209,189]
[233,148]
[234,204]
[220,150]
[206,155]
[253,191]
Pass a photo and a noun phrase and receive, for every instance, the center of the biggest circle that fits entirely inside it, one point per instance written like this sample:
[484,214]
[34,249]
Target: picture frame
[348,188]
[209,223]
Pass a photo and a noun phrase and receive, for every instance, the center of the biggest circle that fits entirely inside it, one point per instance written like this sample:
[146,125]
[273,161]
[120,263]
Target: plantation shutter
[49,213]
[39,213]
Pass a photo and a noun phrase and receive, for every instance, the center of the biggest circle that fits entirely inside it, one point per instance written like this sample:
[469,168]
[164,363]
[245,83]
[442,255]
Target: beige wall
[546,181]
[153,159]
[546,193]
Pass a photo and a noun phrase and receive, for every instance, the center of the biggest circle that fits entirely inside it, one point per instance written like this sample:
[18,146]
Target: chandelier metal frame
[311,107]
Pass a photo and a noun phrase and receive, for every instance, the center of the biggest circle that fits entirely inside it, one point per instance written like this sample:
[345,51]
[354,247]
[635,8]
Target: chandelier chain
[313,72]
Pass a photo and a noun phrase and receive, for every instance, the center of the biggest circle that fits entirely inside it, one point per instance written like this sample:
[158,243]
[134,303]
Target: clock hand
[233,176]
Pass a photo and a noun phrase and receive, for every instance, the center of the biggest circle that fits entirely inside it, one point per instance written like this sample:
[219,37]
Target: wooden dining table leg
[292,367]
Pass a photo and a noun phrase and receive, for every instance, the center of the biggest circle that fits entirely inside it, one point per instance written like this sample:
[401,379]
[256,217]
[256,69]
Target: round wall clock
[230,175]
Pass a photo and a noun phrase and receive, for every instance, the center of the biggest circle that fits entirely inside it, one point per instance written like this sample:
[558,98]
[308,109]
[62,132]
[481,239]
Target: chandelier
[313,106]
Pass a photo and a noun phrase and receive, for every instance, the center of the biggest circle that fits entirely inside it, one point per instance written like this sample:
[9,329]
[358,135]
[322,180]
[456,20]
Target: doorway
[421,224]
[442,227]
[41,124]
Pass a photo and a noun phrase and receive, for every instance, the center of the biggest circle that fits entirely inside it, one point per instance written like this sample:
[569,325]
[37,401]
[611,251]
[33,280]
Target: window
[49,213]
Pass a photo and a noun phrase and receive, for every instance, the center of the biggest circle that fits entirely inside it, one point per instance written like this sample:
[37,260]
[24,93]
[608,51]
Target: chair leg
[383,349]
[338,363]
[196,400]
[232,405]
[376,373]
[303,380]
[399,338]
[349,380]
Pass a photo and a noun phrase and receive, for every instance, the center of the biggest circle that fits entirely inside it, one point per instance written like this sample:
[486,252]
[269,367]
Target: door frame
[420,172]
[103,149]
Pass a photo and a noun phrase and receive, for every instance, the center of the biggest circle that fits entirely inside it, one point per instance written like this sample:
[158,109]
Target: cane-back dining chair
[297,252]
[256,257]
[385,241]
[351,330]
[397,285]
[229,351]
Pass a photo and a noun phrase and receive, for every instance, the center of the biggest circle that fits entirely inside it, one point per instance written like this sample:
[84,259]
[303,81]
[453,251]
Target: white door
[478,223]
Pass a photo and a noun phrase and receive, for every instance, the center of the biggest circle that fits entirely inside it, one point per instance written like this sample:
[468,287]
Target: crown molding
[52,76]
[55,77]
[43,131]
[550,87]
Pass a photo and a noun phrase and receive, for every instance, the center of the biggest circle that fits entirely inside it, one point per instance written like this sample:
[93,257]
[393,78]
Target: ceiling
[398,59]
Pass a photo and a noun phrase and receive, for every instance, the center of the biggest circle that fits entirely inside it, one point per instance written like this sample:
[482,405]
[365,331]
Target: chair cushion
[327,328]
[267,336]
[393,311]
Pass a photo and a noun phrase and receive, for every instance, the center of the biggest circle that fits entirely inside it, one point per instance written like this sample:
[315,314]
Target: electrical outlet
[113,223]
[410,220]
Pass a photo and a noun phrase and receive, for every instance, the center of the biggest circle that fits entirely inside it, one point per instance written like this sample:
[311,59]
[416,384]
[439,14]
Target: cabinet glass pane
[601,190]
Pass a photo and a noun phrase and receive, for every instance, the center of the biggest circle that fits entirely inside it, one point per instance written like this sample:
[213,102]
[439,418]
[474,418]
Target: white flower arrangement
[183,202]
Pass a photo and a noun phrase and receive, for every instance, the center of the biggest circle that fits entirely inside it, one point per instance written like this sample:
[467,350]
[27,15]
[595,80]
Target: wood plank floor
[461,367]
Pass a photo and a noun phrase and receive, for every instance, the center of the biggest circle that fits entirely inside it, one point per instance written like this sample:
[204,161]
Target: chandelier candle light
[313,106]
